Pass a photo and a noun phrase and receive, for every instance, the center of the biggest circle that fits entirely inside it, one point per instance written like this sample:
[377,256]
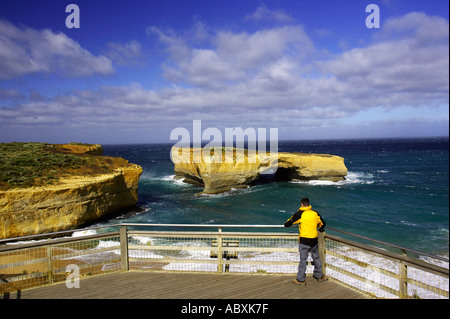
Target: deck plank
[178,285]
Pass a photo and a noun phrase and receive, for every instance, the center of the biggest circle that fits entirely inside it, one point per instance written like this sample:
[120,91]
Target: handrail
[391,245]
[133,224]
[53,233]
[388,254]
[219,226]
[282,226]
[205,225]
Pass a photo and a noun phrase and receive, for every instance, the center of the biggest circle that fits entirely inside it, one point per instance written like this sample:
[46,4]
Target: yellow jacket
[309,221]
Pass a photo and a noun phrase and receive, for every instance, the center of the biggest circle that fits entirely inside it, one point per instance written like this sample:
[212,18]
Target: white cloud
[25,50]
[10,94]
[270,78]
[263,13]
[130,53]
[231,57]
[407,65]
[280,67]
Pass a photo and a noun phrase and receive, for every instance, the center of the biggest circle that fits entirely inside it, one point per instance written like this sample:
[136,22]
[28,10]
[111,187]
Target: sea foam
[351,178]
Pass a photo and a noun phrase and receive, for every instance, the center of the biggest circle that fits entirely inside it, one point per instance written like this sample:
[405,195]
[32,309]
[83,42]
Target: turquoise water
[397,191]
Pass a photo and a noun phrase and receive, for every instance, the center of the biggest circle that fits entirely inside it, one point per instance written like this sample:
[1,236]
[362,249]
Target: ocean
[397,191]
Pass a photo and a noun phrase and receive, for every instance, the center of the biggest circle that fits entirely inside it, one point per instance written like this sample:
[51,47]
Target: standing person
[308,220]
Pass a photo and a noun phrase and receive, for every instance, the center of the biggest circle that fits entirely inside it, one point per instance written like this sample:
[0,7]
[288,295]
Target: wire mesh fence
[50,261]
[379,272]
[214,252]
[384,275]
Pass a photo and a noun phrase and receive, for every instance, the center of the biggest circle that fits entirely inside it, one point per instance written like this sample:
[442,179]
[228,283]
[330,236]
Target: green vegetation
[39,164]
[32,164]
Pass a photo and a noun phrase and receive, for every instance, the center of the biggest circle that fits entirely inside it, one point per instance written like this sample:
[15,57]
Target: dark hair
[305,201]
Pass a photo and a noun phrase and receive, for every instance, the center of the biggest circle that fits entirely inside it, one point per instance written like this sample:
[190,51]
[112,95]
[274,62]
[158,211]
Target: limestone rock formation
[221,170]
[71,202]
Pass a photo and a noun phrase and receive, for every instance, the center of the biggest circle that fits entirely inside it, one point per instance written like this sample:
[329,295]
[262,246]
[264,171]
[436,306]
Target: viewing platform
[193,285]
[167,261]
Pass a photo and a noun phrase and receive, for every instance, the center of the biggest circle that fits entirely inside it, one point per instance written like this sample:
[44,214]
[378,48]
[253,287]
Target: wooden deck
[164,285]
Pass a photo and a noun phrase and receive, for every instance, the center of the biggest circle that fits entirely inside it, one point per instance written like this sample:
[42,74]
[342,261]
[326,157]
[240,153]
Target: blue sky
[136,70]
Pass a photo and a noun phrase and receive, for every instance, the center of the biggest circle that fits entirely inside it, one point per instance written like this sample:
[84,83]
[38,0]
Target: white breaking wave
[149,177]
[171,179]
[351,178]
[232,192]
[84,233]
[74,234]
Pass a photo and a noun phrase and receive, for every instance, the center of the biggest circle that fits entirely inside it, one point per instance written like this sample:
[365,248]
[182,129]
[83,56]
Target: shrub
[37,164]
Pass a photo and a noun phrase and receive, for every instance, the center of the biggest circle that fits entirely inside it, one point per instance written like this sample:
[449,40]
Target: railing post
[321,239]
[219,251]
[403,277]
[124,265]
[50,264]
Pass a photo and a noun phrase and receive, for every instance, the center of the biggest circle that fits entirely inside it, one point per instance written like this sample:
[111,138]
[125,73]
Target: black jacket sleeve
[293,219]
[324,224]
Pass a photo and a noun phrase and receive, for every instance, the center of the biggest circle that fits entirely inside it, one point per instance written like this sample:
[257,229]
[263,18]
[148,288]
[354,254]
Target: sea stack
[219,170]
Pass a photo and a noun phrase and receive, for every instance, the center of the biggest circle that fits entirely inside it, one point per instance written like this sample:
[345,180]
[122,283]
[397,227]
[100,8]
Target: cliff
[100,185]
[220,171]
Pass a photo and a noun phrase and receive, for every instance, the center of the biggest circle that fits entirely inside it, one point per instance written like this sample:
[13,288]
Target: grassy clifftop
[40,164]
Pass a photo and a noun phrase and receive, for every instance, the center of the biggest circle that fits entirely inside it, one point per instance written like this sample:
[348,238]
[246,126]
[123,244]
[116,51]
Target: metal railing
[378,268]
[385,270]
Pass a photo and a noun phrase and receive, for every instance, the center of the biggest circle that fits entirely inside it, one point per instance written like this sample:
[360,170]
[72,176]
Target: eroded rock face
[73,201]
[302,166]
[218,173]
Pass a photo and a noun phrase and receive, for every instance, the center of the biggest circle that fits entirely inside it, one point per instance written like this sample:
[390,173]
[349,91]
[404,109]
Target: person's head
[305,202]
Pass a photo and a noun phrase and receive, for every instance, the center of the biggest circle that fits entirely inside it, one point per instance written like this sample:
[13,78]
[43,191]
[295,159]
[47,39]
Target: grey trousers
[304,250]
